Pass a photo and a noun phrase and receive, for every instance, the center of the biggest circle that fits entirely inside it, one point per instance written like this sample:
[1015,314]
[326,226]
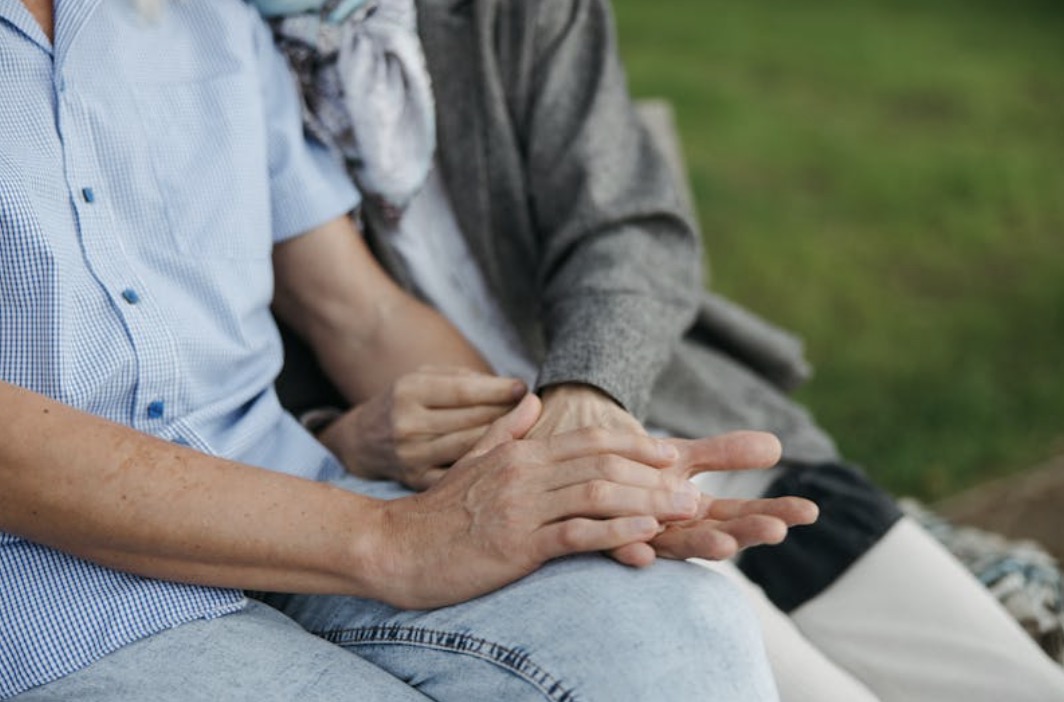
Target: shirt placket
[132,296]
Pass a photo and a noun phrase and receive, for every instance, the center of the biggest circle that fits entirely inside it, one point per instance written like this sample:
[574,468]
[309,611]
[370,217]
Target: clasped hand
[426,421]
[510,504]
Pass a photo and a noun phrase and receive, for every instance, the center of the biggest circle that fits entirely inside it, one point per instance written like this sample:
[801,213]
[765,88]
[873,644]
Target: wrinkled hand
[510,506]
[575,406]
[425,422]
[720,528]
[723,527]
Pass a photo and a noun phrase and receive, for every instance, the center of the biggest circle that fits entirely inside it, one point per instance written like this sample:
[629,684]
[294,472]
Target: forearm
[364,329]
[408,335]
[621,264]
[125,500]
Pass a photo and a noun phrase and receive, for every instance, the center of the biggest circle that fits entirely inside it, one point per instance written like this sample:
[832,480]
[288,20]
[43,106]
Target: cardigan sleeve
[620,270]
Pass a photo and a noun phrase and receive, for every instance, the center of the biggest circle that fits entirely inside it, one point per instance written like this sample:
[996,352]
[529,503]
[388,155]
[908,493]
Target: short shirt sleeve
[308,183]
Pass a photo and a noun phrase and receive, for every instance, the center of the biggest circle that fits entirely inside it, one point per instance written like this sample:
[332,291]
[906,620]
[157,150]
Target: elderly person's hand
[432,418]
[723,527]
[423,423]
[511,505]
[572,406]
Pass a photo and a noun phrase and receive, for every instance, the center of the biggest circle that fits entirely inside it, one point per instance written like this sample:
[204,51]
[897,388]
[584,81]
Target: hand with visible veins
[511,505]
[721,527]
[423,423]
[571,406]
[507,506]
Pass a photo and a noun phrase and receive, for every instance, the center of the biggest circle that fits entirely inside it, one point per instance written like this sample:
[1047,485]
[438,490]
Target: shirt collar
[14,13]
[70,16]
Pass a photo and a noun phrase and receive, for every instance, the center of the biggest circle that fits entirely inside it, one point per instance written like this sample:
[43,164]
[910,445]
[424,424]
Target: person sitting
[157,194]
[522,196]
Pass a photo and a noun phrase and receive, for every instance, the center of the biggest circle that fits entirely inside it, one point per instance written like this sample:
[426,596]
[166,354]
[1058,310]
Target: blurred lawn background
[887,178]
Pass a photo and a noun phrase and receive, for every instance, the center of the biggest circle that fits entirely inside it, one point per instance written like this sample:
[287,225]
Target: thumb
[512,425]
[737,450]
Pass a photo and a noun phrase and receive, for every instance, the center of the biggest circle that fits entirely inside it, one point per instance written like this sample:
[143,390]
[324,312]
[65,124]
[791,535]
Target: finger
[443,450]
[638,555]
[452,419]
[595,441]
[754,530]
[447,370]
[586,535]
[696,539]
[512,425]
[612,468]
[426,479]
[432,369]
[603,499]
[792,511]
[739,450]
[361,470]
[437,390]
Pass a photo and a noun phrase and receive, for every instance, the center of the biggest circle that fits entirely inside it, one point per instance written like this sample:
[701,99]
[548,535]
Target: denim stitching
[514,660]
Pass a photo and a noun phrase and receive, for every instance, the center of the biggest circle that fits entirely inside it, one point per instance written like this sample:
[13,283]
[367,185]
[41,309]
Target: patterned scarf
[366,91]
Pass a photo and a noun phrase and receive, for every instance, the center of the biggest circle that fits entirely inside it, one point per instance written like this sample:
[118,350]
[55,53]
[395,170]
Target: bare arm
[376,343]
[128,501]
[365,330]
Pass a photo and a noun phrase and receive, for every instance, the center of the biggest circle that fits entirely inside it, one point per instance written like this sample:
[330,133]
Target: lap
[905,622]
[913,623]
[255,654]
[580,627]
[803,672]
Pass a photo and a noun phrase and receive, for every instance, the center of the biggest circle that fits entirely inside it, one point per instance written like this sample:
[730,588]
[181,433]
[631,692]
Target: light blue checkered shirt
[143,168]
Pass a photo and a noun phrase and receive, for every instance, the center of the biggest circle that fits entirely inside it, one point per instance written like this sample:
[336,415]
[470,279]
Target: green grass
[887,178]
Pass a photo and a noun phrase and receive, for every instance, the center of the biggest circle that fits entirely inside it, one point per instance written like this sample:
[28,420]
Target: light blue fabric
[146,169]
[582,628]
[135,282]
[255,655]
[335,10]
[579,629]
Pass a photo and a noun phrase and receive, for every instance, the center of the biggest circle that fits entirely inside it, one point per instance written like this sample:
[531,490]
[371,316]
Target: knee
[672,631]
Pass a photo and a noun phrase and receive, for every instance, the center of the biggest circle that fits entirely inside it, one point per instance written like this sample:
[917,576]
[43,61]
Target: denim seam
[514,660]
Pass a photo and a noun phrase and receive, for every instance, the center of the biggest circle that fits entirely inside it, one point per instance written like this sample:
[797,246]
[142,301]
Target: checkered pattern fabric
[146,168]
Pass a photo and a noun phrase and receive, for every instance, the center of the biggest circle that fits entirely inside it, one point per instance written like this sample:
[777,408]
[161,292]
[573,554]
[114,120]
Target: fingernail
[519,389]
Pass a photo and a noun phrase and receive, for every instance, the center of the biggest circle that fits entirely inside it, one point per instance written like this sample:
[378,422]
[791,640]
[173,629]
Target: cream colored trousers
[906,623]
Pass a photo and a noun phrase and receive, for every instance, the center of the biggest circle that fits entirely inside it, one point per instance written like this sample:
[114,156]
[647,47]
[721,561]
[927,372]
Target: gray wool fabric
[575,218]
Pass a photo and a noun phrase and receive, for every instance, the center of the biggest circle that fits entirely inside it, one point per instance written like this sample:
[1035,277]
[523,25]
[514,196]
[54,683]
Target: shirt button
[88,195]
[156,409]
[130,295]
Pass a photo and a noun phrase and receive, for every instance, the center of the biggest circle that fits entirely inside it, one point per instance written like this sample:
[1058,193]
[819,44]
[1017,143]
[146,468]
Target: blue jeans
[581,628]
